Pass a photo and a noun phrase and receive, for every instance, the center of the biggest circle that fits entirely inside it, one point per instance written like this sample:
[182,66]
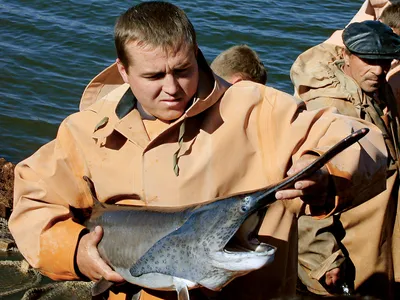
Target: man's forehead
[152,60]
[375,61]
[167,48]
[181,50]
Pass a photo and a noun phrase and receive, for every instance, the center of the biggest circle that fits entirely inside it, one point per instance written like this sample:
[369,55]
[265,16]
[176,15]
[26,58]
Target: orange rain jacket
[237,138]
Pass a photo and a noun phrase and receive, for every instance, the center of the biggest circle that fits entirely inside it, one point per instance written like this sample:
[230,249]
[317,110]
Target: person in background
[353,79]
[391,17]
[239,63]
[387,12]
[175,134]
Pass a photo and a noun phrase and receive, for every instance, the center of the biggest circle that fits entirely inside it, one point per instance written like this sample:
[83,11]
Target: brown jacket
[237,138]
[319,80]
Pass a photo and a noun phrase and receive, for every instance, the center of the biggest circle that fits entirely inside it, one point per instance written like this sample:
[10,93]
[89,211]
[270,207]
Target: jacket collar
[348,86]
[127,120]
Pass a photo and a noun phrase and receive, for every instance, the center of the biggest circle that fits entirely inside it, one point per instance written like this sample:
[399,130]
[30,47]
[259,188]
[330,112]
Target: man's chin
[370,89]
[170,116]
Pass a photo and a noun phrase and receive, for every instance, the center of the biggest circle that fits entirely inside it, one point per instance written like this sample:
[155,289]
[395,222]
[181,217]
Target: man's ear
[122,71]
[346,57]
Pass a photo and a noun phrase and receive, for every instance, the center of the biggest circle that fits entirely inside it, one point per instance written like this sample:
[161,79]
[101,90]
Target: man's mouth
[172,102]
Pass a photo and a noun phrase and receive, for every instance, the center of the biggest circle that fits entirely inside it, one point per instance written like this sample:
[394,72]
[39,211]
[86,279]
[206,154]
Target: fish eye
[243,208]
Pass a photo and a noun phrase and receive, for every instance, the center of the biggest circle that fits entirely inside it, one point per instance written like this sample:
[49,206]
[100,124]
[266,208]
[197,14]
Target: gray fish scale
[136,227]
[185,252]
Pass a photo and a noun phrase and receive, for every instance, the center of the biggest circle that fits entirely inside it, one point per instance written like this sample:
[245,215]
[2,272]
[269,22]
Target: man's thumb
[96,235]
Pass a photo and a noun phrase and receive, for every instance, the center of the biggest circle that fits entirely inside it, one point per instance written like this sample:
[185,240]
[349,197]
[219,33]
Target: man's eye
[155,76]
[182,71]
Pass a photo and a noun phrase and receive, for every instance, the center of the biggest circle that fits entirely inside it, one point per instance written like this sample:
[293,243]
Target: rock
[6,244]
[4,231]
[25,266]
[6,188]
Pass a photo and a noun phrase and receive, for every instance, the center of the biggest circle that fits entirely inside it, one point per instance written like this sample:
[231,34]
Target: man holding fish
[159,131]
[349,71]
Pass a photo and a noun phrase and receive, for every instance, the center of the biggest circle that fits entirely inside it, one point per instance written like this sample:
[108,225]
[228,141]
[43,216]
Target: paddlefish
[183,248]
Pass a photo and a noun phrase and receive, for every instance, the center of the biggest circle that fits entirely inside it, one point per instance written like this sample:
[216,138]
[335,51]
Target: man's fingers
[304,184]
[312,190]
[100,268]
[332,276]
[110,275]
[106,272]
[310,187]
[301,188]
[288,194]
[300,164]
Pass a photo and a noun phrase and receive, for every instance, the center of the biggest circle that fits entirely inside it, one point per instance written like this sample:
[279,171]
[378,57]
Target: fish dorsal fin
[96,202]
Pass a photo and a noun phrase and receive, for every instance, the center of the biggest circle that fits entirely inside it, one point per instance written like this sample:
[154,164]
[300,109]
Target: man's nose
[377,70]
[170,85]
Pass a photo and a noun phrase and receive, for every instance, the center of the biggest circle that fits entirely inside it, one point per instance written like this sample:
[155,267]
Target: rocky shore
[6,188]
[6,198]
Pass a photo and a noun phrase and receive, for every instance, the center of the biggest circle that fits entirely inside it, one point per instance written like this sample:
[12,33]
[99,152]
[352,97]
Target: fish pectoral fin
[181,290]
[101,286]
[183,294]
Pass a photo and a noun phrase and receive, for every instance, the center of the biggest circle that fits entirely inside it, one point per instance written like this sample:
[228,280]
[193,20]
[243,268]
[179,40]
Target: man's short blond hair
[391,16]
[154,23]
[240,60]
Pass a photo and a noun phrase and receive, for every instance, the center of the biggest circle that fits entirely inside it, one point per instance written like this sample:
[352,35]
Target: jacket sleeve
[342,107]
[46,185]
[358,173]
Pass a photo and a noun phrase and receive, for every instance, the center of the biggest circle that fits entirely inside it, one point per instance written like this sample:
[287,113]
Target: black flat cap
[372,40]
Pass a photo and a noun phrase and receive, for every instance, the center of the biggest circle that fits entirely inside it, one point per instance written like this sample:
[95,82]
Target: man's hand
[89,261]
[332,277]
[313,190]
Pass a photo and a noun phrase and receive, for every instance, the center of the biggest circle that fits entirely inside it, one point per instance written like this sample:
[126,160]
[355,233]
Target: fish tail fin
[92,189]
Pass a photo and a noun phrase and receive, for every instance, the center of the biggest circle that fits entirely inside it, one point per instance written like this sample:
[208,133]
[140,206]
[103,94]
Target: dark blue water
[49,51]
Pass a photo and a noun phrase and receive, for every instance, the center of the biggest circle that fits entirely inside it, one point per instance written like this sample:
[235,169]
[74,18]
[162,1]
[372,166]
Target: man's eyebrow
[184,65]
[152,73]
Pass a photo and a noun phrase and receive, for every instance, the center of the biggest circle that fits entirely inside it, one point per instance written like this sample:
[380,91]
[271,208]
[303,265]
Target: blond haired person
[391,17]
[238,63]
